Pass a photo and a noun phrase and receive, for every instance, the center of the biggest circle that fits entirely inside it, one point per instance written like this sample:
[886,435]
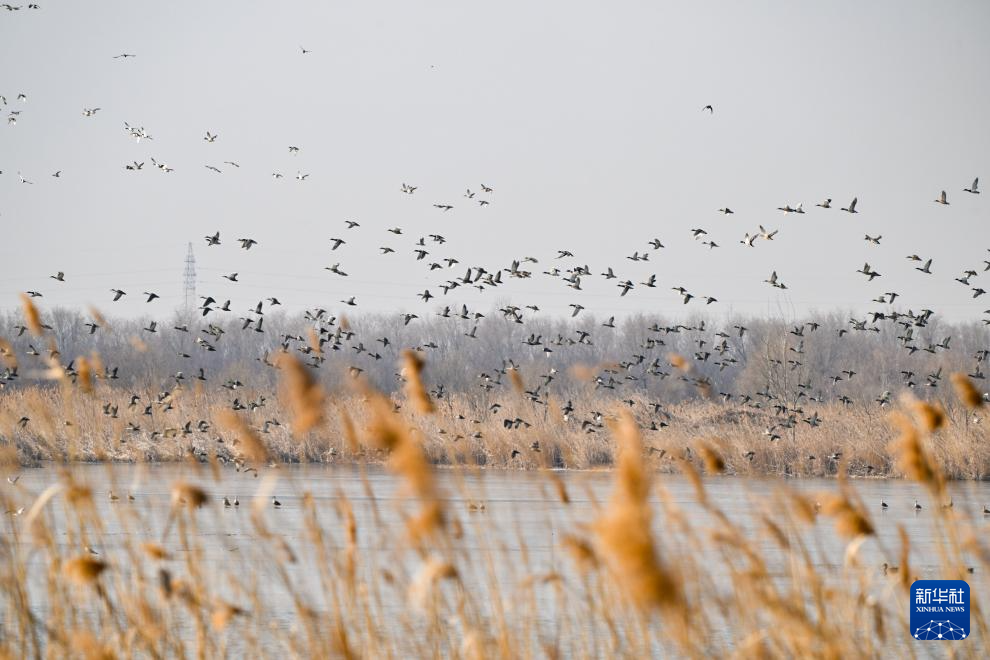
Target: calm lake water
[521,526]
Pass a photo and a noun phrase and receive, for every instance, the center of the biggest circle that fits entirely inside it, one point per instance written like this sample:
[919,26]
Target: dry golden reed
[708,577]
[31,316]
[931,417]
[678,362]
[582,552]
[516,379]
[84,569]
[850,521]
[429,575]
[714,463]
[304,395]
[905,578]
[98,318]
[911,457]
[223,614]
[7,354]
[87,646]
[388,431]
[247,440]
[314,341]
[85,375]
[188,494]
[155,551]
[623,530]
[412,369]
[78,495]
[966,391]
[349,432]
[588,373]
[559,486]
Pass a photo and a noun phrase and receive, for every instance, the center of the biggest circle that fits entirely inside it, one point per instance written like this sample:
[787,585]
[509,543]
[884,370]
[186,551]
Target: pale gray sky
[585,117]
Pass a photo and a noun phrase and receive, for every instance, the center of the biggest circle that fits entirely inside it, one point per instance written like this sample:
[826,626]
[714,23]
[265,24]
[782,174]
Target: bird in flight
[941,199]
[89,112]
[709,108]
[975,188]
[247,243]
[210,137]
[124,56]
[773,281]
[866,270]
[852,206]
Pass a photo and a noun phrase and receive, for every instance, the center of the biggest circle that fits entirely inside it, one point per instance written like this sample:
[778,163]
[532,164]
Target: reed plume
[624,530]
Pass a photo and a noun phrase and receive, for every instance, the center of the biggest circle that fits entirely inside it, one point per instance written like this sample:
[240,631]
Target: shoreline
[383,466]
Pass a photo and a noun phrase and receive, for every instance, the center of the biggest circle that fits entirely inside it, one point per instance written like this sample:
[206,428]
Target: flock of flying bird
[333,335]
[428,250]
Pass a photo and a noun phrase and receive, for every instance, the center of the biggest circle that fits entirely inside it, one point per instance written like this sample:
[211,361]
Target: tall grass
[69,423]
[437,584]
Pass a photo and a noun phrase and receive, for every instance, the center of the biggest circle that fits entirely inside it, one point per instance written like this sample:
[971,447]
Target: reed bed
[98,424]
[637,577]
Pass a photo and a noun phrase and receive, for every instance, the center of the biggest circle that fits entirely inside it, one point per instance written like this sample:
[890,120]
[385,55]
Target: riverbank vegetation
[429,584]
[775,398]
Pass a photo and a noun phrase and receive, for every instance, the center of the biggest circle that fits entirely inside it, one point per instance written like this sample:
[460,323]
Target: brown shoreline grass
[429,589]
[304,424]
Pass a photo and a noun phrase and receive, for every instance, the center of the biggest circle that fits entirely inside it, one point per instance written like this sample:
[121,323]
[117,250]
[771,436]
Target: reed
[636,576]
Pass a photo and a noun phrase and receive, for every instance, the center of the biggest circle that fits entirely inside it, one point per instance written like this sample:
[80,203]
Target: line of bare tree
[785,359]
